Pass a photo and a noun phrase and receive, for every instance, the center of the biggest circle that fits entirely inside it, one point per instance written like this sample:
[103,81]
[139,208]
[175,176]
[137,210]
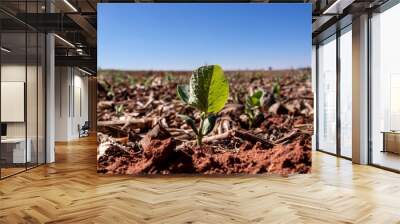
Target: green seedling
[110,93]
[119,110]
[252,106]
[118,78]
[169,77]
[207,92]
[107,88]
[132,81]
[148,81]
[276,89]
[258,75]
[304,76]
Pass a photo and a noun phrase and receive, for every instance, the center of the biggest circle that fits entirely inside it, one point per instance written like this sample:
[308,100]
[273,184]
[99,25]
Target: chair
[84,130]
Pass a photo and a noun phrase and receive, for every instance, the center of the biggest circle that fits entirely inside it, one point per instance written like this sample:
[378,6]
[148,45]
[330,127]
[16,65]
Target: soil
[139,131]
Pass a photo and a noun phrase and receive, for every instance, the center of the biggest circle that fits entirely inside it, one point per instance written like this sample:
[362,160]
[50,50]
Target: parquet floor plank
[70,191]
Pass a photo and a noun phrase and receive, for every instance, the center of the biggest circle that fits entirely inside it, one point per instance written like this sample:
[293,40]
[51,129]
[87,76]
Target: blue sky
[186,36]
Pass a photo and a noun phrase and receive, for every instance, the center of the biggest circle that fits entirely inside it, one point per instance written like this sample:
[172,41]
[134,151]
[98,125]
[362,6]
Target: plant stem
[200,135]
[251,118]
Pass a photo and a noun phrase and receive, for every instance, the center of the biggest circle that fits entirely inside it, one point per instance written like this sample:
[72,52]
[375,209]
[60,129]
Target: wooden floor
[386,159]
[70,191]
[10,171]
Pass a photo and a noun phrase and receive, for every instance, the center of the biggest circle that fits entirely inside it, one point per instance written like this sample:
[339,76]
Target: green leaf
[119,110]
[183,92]
[208,89]
[258,94]
[190,121]
[255,99]
[209,124]
[276,89]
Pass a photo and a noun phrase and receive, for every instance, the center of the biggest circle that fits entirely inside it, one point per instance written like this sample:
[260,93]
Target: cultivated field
[265,125]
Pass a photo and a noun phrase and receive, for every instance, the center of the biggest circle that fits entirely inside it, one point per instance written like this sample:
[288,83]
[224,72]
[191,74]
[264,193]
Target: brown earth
[159,156]
[147,137]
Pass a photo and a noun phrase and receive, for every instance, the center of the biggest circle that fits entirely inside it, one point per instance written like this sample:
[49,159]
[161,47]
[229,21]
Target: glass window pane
[385,84]
[22,89]
[31,97]
[346,93]
[13,85]
[327,95]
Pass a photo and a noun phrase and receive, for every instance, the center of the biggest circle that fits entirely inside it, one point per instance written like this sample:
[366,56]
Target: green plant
[110,93]
[208,92]
[118,78]
[169,77]
[119,110]
[304,76]
[132,81]
[148,81]
[258,75]
[252,105]
[276,89]
[108,88]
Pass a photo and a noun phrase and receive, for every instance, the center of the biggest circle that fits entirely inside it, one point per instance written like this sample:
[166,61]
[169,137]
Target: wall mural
[204,89]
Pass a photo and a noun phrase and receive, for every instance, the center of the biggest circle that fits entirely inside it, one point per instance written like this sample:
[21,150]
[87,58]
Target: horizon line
[186,70]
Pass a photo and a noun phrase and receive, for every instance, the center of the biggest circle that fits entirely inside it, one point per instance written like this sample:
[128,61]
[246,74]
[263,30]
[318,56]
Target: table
[391,141]
[13,150]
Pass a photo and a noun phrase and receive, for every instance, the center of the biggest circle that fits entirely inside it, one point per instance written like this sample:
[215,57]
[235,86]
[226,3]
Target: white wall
[80,89]
[61,103]
[33,127]
[12,73]
[9,73]
[70,83]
